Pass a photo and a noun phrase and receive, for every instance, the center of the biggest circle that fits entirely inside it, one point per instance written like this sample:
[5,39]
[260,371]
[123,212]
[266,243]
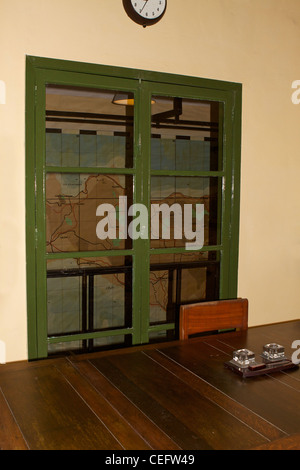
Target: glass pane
[174,218]
[60,348]
[185,134]
[88,295]
[108,342]
[86,127]
[72,205]
[162,295]
[181,278]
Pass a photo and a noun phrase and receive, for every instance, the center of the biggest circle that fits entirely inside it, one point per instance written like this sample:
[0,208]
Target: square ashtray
[273,352]
[243,358]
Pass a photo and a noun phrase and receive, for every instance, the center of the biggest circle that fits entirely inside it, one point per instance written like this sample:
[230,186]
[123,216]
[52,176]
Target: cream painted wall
[254,42]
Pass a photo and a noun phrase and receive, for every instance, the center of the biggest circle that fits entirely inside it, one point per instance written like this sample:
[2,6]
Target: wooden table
[174,396]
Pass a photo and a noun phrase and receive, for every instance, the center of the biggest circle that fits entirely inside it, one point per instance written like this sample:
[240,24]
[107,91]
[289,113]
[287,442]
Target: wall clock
[145,12]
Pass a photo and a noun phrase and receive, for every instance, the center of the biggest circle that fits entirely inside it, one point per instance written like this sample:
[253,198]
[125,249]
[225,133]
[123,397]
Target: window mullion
[142,245]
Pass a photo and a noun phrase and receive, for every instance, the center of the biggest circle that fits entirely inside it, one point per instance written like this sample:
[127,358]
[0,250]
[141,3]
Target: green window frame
[144,84]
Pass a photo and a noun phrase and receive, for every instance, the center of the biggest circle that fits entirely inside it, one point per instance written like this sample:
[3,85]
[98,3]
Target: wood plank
[149,431]
[239,411]
[144,398]
[24,365]
[286,443]
[255,339]
[162,417]
[289,378]
[270,399]
[110,417]
[11,437]
[50,413]
[185,415]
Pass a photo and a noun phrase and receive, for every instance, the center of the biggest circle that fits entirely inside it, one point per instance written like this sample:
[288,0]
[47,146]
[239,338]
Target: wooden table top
[172,396]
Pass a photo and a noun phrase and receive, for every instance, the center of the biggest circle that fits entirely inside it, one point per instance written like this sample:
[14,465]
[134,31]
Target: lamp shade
[125,99]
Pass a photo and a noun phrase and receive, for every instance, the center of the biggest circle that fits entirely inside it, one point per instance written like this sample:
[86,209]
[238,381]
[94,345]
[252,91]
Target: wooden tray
[261,369]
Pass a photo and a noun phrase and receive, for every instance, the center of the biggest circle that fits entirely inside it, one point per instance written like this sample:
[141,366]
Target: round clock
[145,12]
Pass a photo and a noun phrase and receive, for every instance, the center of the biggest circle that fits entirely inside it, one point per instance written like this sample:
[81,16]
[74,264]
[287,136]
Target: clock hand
[144,6]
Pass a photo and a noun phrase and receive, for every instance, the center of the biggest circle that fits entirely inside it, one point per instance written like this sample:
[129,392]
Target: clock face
[149,9]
